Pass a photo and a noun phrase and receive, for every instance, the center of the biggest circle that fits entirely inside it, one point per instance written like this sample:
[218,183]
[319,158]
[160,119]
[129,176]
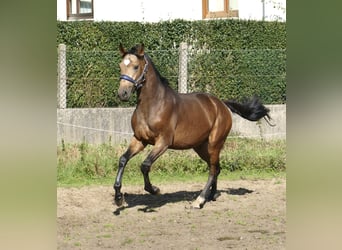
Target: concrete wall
[103,125]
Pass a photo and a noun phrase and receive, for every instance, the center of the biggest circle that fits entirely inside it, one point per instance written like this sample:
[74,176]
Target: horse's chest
[143,130]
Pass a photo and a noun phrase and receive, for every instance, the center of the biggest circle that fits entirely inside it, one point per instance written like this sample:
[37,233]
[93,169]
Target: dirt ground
[248,214]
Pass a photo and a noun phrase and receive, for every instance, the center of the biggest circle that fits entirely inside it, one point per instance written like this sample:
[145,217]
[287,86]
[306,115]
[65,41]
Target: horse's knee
[122,161]
[146,166]
[144,169]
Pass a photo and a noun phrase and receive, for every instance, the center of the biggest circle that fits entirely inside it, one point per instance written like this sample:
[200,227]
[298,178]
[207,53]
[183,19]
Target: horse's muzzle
[124,94]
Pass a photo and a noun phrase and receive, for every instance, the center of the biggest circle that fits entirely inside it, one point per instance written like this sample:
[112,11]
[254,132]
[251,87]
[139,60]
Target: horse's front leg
[157,151]
[134,148]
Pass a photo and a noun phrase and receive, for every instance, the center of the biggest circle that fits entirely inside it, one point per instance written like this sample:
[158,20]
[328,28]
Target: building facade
[163,10]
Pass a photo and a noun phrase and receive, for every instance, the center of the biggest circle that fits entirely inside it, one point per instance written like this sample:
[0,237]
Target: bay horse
[169,120]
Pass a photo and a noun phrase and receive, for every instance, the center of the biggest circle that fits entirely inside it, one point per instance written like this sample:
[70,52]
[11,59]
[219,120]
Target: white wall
[275,10]
[157,10]
[253,9]
[61,10]
[175,9]
[117,10]
[250,9]
[147,10]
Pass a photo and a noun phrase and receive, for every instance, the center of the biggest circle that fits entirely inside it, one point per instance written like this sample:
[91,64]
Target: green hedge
[228,58]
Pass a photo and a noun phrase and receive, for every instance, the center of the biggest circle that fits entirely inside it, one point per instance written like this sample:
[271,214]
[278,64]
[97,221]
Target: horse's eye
[136,67]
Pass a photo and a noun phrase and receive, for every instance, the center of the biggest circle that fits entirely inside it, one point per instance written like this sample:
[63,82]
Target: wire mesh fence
[61,69]
[90,78]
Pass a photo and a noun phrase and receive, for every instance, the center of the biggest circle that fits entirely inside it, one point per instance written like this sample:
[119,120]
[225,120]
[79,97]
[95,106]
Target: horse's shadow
[151,202]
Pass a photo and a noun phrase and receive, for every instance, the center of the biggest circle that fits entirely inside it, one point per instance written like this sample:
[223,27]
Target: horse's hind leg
[209,154]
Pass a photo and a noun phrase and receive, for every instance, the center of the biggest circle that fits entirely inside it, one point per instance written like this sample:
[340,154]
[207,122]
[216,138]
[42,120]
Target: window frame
[79,15]
[226,13]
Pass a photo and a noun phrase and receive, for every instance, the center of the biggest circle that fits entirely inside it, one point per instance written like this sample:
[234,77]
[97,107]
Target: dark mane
[134,51]
[162,78]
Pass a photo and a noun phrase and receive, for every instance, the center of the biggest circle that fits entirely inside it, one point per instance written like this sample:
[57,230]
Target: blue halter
[137,83]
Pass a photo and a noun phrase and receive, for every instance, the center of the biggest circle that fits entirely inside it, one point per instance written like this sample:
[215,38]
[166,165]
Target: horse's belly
[186,138]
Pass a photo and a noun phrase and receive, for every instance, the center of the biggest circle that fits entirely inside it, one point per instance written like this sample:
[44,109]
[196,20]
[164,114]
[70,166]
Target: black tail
[252,109]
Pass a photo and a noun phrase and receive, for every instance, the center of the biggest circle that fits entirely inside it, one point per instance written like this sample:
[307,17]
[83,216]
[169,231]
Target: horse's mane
[134,51]
[162,78]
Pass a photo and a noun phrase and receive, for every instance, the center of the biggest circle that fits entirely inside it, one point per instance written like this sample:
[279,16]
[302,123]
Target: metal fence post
[183,68]
[61,77]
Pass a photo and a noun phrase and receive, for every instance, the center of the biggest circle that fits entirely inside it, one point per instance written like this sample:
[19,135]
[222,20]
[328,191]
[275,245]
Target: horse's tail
[252,109]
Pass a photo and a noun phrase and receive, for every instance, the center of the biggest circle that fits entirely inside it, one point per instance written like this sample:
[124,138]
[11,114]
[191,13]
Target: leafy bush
[228,58]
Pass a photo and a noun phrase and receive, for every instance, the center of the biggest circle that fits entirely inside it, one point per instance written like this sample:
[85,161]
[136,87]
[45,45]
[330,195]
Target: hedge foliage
[228,58]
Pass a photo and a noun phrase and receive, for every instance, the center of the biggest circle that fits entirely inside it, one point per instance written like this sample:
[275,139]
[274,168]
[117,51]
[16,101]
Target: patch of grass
[241,158]
[241,223]
[230,214]
[108,226]
[104,236]
[127,241]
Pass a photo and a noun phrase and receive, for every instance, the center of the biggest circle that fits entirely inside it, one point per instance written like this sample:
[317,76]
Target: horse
[167,119]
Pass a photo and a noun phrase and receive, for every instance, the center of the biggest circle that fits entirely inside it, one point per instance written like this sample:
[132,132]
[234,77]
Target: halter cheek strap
[137,83]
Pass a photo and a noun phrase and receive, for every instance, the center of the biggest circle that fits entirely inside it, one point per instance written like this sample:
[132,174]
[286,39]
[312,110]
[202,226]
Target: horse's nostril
[123,94]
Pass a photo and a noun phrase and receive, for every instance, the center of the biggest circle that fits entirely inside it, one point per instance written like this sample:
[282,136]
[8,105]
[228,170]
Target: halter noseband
[137,83]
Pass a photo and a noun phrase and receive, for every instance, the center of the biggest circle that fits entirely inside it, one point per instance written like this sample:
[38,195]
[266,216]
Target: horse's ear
[140,49]
[122,50]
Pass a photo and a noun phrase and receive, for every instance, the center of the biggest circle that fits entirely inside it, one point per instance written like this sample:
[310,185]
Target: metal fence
[61,77]
[90,78]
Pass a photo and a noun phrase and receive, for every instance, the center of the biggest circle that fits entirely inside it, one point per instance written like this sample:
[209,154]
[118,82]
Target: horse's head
[133,68]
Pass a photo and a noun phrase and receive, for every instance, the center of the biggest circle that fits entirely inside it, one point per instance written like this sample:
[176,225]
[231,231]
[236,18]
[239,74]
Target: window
[218,9]
[80,9]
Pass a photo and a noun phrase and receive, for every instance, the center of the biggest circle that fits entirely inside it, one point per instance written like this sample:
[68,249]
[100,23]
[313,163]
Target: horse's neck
[153,92]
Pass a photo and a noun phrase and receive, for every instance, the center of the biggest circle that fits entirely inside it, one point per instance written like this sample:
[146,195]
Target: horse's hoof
[156,190]
[153,190]
[198,203]
[196,206]
[119,201]
[214,197]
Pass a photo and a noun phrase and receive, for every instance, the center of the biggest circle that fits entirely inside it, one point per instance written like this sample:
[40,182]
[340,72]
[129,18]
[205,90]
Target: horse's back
[203,103]
[198,115]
